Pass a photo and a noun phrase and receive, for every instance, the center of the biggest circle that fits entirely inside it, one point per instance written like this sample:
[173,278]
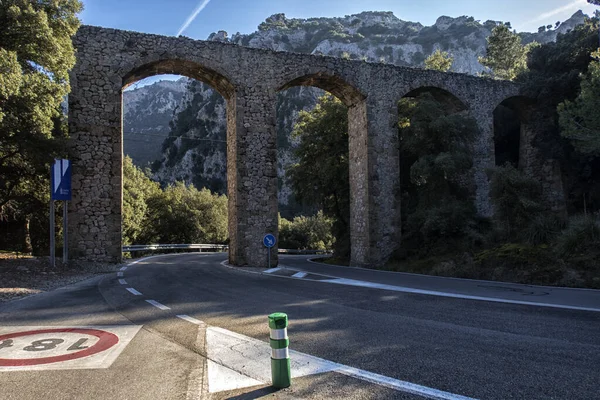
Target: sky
[197,19]
[168,17]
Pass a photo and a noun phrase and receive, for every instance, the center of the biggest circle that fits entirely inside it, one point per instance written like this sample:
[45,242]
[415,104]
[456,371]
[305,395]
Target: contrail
[193,16]
[571,5]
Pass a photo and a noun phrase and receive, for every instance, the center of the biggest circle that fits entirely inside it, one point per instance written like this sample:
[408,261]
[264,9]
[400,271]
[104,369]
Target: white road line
[246,355]
[270,271]
[122,281]
[133,291]
[123,268]
[299,275]
[372,285]
[158,305]
[190,319]
[120,274]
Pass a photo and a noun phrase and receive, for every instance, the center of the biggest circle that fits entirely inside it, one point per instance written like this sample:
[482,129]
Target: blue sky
[167,17]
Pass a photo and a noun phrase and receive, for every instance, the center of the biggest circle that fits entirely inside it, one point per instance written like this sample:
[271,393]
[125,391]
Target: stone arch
[358,155]
[512,138]
[217,81]
[444,96]
[333,84]
[190,69]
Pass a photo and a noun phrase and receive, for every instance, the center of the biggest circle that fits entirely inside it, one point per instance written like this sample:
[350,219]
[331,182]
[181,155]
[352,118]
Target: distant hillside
[147,113]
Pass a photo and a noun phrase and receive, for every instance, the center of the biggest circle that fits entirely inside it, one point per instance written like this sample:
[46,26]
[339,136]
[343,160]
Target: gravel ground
[24,276]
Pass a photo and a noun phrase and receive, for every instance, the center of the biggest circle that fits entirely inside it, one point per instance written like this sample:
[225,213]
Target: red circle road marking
[105,342]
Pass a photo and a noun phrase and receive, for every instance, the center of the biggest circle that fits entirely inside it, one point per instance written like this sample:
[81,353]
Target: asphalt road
[470,348]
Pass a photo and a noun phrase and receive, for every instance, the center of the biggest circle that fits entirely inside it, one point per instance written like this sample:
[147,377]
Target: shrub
[303,233]
[582,234]
[542,228]
[517,199]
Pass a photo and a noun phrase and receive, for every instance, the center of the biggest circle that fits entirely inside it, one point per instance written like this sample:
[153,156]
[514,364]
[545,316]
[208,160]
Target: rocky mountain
[147,113]
[195,149]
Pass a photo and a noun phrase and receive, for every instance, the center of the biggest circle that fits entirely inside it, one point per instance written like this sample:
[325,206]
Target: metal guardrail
[213,247]
[147,247]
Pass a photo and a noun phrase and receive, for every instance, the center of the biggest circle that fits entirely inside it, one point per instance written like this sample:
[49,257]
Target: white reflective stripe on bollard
[278,334]
[280,354]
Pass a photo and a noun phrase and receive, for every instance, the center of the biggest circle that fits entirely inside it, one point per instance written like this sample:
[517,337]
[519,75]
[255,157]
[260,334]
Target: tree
[306,232]
[439,61]
[320,177]
[184,214]
[36,54]
[517,199]
[137,190]
[580,119]
[506,56]
[435,144]
[554,76]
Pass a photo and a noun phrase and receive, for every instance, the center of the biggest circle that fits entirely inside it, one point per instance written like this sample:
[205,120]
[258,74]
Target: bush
[314,233]
[582,234]
[542,229]
[517,199]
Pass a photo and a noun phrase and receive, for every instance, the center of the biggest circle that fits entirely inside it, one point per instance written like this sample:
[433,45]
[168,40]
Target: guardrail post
[280,356]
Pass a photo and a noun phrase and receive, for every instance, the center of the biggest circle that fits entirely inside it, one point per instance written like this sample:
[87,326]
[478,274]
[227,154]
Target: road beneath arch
[204,334]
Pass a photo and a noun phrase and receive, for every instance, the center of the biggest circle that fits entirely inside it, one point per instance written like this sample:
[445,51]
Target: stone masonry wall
[249,79]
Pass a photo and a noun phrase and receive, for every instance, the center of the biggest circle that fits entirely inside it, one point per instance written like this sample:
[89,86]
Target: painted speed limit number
[26,348]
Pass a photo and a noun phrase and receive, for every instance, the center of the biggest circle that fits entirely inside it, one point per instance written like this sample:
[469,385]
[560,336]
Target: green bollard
[280,356]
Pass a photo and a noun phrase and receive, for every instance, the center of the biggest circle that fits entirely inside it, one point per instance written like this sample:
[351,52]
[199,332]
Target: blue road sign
[60,178]
[269,240]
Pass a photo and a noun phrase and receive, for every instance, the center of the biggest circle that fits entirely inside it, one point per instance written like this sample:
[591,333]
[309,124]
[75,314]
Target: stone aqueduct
[249,79]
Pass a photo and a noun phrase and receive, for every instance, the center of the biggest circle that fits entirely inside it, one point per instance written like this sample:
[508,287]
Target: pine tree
[506,56]
[439,61]
[580,119]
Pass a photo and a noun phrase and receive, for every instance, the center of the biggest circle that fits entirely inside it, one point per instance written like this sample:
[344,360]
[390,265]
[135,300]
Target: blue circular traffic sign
[269,240]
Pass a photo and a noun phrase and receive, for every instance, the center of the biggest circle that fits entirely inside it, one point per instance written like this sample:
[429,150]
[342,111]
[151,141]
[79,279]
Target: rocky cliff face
[147,113]
[195,151]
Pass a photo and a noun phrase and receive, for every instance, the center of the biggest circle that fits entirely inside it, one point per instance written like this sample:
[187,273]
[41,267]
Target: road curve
[470,348]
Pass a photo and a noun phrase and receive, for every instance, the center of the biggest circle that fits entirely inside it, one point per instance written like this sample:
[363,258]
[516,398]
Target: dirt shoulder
[25,276]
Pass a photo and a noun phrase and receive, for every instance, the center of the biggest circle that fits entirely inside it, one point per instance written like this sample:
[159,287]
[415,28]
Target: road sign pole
[269,256]
[52,259]
[280,356]
[65,233]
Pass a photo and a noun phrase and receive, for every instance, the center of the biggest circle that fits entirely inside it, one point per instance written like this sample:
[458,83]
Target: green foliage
[542,228]
[582,235]
[580,119]
[137,190]
[320,177]
[506,56]
[314,233]
[183,214]
[36,54]
[439,61]
[555,73]
[517,199]
[436,148]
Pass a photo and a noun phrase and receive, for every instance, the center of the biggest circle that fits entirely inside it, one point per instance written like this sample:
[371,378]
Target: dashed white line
[190,319]
[122,281]
[120,274]
[133,291]
[158,305]
[299,275]
[270,271]
[123,268]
